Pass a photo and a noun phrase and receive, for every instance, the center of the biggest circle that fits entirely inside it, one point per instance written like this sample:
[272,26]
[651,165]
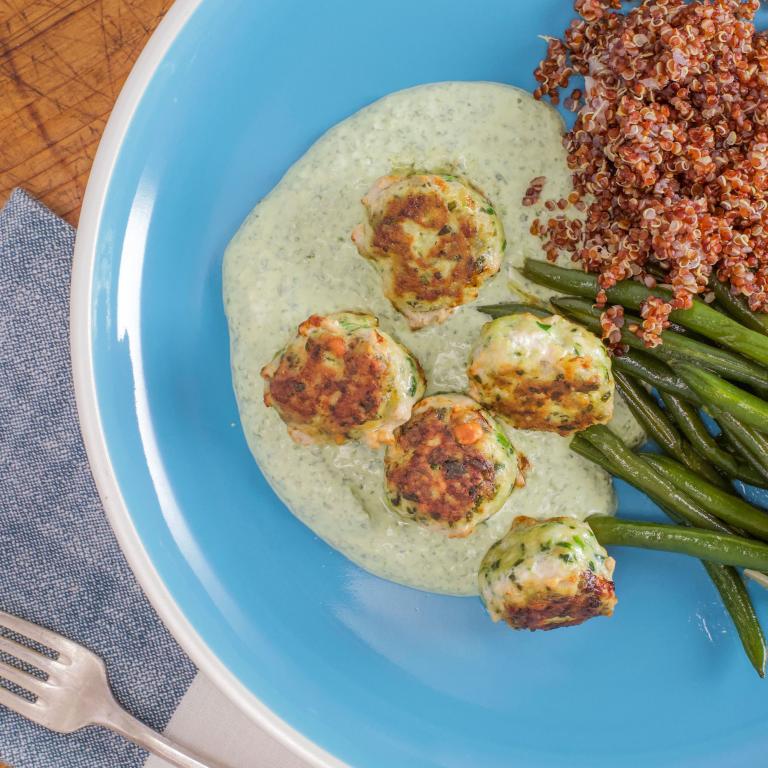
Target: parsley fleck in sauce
[293,257]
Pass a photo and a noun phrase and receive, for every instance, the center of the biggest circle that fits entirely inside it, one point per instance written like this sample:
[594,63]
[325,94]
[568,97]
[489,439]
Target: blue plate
[225,98]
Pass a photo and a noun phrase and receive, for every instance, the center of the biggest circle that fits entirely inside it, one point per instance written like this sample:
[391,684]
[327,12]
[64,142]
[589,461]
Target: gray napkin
[61,565]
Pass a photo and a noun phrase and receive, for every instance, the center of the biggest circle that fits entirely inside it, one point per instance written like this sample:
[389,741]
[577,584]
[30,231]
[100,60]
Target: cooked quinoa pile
[669,151]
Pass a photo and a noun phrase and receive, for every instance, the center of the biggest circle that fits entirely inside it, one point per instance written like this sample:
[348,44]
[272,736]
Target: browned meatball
[546,574]
[450,466]
[542,373]
[342,378]
[434,237]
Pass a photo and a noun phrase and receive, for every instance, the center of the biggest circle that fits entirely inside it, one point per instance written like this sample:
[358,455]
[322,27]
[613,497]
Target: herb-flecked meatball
[342,378]
[435,238]
[547,374]
[451,466]
[546,574]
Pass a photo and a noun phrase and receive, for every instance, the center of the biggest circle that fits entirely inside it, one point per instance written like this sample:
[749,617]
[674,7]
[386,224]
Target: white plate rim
[86,397]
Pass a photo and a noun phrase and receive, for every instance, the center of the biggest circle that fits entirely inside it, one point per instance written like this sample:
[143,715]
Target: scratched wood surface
[62,63]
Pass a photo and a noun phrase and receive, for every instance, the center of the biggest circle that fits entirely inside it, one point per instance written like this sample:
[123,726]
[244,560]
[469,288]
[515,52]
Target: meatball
[435,238]
[341,378]
[546,574]
[450,467]
[542,373]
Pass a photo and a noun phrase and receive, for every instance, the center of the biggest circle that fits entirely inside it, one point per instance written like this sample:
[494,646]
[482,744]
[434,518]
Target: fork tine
[46,637]
[23,679]
[25,654]
[21,706]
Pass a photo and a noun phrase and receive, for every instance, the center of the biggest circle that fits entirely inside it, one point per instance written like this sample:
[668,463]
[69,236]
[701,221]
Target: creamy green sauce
[293,257]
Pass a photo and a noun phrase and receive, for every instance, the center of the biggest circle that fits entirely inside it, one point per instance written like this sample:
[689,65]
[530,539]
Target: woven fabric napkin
[61,565]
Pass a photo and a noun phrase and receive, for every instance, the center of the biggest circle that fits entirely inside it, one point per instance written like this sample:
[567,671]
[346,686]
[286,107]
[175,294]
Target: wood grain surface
[62,63]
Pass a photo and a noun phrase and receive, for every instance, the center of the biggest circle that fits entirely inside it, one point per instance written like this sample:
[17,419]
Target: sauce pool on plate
[293,257]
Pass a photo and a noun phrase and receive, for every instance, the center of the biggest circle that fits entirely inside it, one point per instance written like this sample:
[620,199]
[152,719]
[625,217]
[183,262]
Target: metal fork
[71,691]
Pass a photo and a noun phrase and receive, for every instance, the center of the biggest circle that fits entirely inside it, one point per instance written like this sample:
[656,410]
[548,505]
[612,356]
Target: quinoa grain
[669,151]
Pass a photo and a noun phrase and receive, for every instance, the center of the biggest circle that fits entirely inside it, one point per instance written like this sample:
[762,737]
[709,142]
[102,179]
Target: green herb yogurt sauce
[293,257]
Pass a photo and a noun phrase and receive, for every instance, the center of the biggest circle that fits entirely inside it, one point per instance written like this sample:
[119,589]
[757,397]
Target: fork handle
[118,720]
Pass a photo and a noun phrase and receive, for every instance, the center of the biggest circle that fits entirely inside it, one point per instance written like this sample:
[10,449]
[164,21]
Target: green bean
[650,416]
[683,331]
[727,581]
[653,372]
[700,318]
[584,448]
[512,308]
[568,281]
[579,444]
[730,587]
[716,547]
[737,307]
[728,507]
[697,463]
[737,602]
[686,416]
[750,443]
[633,469]
[721,394]
[658,426]
[674,347]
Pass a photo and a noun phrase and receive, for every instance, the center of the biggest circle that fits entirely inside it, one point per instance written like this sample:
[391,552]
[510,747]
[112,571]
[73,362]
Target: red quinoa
[612,321]
[533,193]
[669,149]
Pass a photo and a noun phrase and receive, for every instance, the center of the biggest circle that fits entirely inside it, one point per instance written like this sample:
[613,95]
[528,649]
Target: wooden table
[62,63]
